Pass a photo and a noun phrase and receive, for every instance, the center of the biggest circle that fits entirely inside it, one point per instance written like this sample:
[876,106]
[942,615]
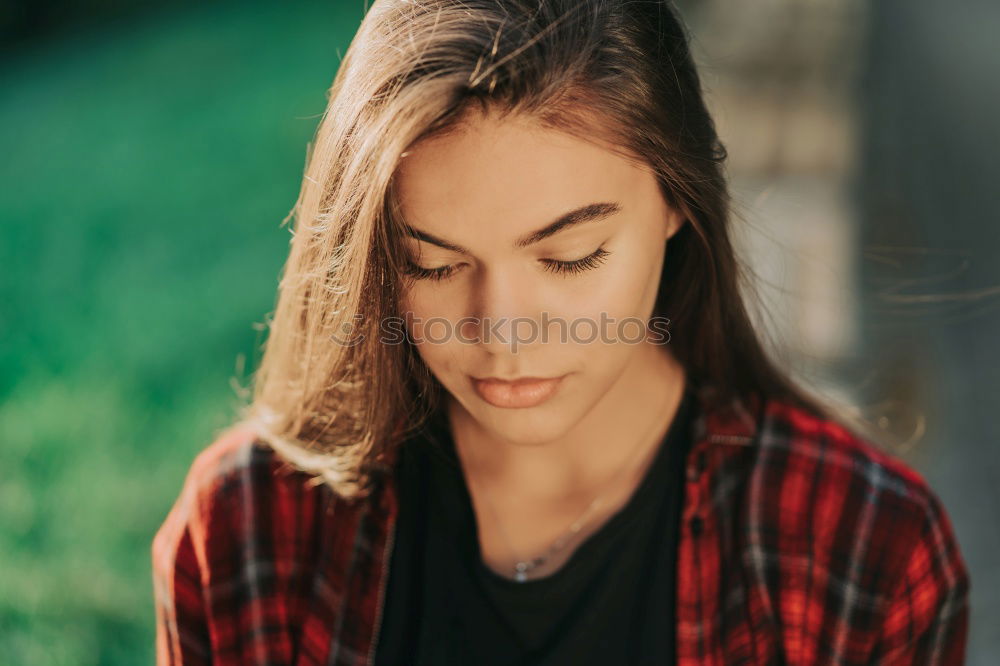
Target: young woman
[512,408]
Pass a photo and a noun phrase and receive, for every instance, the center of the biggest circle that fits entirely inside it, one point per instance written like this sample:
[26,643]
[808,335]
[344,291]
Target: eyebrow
[589,213]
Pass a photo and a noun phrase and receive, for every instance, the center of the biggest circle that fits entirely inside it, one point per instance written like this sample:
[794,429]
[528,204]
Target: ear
[675,220]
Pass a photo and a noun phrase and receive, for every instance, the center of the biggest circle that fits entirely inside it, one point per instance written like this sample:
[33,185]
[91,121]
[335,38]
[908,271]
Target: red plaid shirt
[800,544]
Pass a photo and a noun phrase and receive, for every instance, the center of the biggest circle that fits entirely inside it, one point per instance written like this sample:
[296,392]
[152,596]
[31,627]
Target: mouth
[518,393]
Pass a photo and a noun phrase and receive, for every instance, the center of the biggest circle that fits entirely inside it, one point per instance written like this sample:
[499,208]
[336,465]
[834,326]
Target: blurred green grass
[147,167]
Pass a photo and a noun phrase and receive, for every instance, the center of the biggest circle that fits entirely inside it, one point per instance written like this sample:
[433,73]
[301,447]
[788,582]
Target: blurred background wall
[864,143]
[151,150]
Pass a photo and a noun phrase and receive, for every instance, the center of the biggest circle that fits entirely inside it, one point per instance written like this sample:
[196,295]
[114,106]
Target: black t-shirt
[611,602]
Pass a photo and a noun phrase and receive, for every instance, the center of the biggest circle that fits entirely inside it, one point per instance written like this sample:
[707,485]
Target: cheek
[430,321]
[429,313]
[439,357]
[622,288]
[420,304]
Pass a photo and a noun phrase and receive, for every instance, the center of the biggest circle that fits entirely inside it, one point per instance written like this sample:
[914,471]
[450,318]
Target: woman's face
[490,270]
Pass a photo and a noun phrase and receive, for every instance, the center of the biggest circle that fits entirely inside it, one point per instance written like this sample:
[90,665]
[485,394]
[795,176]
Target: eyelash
[591,261]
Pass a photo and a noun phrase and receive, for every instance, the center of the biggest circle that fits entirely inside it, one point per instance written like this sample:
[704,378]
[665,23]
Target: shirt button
[697,525]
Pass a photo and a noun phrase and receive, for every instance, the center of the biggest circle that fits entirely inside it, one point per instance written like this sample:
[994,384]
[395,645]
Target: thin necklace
[522,568]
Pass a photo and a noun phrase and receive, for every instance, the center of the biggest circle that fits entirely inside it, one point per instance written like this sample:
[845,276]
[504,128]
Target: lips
[518,393]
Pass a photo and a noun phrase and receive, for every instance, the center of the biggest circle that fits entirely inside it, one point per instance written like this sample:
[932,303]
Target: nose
[506,312]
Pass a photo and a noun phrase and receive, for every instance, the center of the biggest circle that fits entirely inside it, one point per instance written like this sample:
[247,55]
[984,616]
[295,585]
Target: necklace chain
[521,567]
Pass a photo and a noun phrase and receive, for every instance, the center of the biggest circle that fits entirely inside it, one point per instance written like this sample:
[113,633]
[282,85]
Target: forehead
[510,172]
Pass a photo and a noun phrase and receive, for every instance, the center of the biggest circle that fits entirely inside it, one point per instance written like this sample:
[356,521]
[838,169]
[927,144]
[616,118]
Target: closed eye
[589,262]
[422,273]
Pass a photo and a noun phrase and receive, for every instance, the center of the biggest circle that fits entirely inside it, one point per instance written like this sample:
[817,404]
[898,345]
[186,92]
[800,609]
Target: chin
[527,427]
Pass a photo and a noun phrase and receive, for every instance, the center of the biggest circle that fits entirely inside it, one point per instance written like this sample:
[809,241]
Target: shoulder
[855,534]
[833,475]
[238,496]
[216,482]
[239,549]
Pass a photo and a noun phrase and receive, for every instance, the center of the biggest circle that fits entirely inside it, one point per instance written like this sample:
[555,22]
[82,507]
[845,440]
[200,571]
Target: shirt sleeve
[184,621]
[182,635]
[928,614]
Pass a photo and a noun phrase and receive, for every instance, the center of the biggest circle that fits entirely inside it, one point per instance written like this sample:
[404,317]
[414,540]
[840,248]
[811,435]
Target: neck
[635,412]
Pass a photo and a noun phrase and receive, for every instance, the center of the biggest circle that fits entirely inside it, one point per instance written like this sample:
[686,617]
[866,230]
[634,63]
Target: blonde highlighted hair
[613,71]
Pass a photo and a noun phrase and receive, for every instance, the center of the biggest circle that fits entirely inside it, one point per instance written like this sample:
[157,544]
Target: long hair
[330,395]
